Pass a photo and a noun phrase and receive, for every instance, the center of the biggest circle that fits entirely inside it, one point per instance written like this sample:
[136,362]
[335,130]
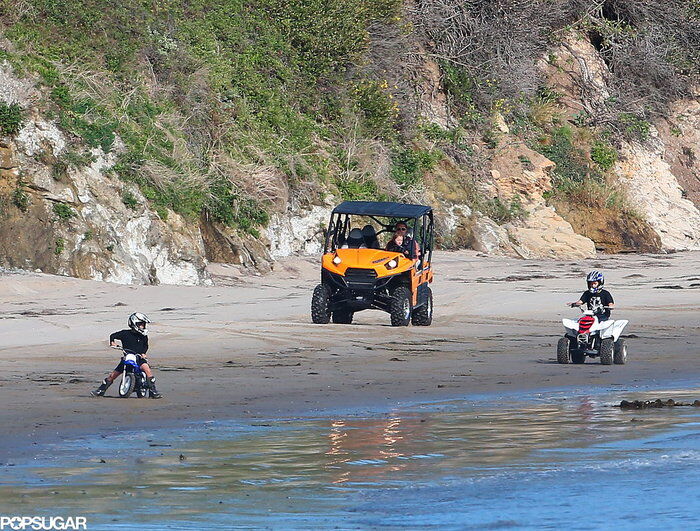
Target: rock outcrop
[523,175]
[648,173]
[72,220]
[654,191]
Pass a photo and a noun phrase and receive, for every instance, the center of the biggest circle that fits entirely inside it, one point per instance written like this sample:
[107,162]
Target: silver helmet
[595,276]
[138,322]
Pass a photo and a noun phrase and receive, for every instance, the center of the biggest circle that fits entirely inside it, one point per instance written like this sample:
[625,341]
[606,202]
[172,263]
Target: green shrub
[408,166]
[572,163]
[603,154]
[11,117]
[63,211]
[129,199]
[59,246]
[20,198]
[503,212]
[358,189]
[635,126]
[377,107]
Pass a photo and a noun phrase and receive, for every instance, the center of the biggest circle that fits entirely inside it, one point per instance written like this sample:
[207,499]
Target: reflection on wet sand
[287,467]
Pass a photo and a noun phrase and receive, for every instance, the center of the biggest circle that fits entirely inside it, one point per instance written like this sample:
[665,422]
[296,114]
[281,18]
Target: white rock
[36,134]
[297,232]
[654,192]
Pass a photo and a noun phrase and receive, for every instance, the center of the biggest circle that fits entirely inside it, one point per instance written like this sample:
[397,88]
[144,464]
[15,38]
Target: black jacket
[131,341]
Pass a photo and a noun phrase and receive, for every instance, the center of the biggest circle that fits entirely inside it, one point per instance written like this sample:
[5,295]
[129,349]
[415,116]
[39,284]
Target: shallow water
[556,460]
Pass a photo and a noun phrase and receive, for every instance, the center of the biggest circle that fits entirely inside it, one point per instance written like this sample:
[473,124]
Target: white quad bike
[589,336]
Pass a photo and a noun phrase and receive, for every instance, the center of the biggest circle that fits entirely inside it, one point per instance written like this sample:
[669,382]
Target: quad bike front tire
[320,302]
[340,317]
[423,315]
[127,384]
[606,351]
[620,353]
[400,306]
[563,354]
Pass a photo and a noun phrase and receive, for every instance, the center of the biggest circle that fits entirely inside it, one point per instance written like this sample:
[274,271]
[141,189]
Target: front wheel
[126,386]
[320,302]
[620,353]
[563,351]
[400,306]
[423,315]
[606,351]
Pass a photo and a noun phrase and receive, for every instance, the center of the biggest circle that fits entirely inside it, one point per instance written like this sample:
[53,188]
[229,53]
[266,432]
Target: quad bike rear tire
[423,315]
[400,306]
[320,303]
[606,351]
[620,353]
[340,317]
[563,354]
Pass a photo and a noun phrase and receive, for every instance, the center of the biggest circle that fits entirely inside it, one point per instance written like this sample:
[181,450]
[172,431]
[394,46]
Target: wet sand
[245,347]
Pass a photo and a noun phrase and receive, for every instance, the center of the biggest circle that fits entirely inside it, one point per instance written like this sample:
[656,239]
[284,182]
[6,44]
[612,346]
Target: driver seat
[370,237]
[355,239]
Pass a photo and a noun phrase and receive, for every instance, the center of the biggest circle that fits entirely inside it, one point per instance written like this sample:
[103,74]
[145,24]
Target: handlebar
[125,351]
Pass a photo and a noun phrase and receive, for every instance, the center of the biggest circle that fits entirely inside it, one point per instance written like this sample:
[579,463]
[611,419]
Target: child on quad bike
[595,297]
[134,339]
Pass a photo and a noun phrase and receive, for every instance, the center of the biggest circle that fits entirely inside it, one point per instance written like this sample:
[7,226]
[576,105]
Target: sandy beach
[245,347]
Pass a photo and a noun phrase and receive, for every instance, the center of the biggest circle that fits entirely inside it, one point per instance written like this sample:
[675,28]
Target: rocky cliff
[556,180]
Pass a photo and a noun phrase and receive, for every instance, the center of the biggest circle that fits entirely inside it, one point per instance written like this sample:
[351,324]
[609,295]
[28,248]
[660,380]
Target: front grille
[357,278]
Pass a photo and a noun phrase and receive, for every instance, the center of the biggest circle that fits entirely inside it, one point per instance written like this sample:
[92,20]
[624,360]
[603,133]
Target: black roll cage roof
[381,209]
[397,212]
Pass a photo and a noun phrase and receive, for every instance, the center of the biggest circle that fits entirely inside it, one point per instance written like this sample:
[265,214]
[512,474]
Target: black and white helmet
[138,322]
[595,276]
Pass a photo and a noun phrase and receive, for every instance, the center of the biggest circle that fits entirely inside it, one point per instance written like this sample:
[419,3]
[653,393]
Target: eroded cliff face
[70,218]
[659,176]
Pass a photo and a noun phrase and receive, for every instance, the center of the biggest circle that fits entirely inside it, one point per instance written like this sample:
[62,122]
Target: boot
[153,393]
[100,391]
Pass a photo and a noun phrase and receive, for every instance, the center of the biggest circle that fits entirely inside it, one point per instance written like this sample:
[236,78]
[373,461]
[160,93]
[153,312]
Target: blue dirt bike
[133,378]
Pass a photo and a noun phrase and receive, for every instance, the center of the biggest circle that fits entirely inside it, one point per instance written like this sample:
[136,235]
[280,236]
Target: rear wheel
[400,307]
[340,317]
[141,388]
[620,353]
[563,351]
[606,351]
[126,386]
[423,316]
[320,301]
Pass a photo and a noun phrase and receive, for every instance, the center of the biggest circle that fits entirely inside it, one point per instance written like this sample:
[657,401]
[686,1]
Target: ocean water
[564,459]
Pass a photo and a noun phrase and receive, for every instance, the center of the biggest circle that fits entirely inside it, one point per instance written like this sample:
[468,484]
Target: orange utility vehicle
[359,272]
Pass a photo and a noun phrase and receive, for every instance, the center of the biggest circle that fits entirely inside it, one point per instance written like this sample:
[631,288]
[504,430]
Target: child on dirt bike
[134,339]
[596,298]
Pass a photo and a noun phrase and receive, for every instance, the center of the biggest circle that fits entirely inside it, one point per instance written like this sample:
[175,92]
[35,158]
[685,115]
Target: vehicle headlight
[391,264]
[336,259]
